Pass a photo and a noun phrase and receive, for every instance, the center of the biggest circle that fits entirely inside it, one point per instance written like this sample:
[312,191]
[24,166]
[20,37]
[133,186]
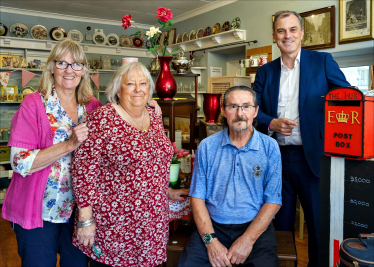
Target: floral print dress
[123,174]
[58,202]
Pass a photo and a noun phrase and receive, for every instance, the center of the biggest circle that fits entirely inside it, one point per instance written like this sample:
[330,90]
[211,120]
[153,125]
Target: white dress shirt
[288,101]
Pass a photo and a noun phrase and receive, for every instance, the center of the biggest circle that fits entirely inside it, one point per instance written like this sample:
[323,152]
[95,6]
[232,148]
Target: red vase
[212,107]
[165,86]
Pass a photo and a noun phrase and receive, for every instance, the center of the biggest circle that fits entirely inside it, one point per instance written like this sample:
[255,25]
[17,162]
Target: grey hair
[127,69]
[239,88]
[286,13]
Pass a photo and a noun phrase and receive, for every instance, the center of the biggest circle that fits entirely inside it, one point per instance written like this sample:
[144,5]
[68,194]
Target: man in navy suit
[291,91]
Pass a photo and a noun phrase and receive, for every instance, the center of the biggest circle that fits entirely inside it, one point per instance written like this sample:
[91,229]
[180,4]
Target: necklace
[143,129]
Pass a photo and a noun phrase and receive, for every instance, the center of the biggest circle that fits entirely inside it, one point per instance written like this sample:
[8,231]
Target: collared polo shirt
[236,183]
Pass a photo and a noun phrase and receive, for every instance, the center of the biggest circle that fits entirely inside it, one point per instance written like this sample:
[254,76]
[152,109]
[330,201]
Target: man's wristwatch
[208,238]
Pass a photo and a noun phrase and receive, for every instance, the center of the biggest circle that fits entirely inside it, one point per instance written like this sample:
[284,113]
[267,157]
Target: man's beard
[242,127]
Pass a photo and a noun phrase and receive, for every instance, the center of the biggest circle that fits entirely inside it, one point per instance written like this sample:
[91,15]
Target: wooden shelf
[4,162]
[211,41]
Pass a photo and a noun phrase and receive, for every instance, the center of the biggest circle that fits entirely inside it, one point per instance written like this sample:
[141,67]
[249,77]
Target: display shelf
[191,92]
[47,45]
[4,162]
[14,102]
[41,70]
[198,68]
[211,41]
[4,141]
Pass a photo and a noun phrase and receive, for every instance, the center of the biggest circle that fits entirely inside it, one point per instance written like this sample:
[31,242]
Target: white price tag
[10,174]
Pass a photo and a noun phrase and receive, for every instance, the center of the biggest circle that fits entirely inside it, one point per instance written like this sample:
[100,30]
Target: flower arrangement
[164,16]
[179,155]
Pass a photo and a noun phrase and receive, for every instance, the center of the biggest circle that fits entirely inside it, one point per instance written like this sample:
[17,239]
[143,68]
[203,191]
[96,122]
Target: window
[358,76]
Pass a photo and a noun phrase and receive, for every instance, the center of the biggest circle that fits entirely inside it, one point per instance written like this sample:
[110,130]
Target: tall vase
[166,87]
[212,107]
[174,173]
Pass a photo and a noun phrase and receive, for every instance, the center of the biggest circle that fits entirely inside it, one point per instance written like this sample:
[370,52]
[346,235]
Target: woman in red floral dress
[121,175]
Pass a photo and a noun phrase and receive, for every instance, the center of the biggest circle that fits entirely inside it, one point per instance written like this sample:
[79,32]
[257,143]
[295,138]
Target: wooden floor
[9,256]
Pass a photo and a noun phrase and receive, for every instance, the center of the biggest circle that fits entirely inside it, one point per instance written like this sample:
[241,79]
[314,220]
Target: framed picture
[319,28]
[172,36]
[10,93]
[272,22]
[356,21]
[163,37]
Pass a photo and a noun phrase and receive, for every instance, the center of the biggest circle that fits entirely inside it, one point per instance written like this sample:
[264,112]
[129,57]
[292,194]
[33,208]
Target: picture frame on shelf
[356,21]
[172,36]
[319,28]
[10,93]
[163,37]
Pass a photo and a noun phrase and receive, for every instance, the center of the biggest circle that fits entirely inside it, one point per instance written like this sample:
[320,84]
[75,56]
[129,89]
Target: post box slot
[344,103]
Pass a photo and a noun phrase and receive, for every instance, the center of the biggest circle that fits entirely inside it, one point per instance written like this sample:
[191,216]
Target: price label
[359,180]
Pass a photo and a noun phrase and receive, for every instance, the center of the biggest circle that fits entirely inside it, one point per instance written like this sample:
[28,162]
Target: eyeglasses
[62,65]
[234,108]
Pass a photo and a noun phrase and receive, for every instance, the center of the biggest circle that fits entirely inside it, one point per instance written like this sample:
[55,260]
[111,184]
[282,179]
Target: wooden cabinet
[258,51]
[222,83]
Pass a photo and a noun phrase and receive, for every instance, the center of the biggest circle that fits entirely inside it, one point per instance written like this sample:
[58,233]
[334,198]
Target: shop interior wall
[256,19]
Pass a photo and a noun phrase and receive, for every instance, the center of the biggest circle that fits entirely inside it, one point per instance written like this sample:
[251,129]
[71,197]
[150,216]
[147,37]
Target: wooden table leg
[192,128]
[172,124]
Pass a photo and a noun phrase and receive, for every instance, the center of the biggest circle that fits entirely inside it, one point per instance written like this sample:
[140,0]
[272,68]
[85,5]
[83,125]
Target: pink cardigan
[30,128]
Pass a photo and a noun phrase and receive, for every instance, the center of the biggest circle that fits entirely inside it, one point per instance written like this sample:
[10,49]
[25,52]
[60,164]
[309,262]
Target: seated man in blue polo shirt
[235,191]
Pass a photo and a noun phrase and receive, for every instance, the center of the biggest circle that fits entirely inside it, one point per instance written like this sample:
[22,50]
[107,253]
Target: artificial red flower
[126,21]
[164,14]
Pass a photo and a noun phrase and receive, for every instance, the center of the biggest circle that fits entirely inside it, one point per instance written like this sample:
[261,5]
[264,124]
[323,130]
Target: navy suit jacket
[318,74]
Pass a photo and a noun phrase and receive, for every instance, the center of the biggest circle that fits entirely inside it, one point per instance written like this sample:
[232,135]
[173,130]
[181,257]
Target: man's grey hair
[239,88]
[285,14]
[127,69]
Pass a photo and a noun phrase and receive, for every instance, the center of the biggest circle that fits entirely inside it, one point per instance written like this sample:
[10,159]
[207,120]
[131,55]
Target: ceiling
[143,12]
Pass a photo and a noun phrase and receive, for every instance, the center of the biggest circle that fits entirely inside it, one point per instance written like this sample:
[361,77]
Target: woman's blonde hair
[127,69]
[83,92]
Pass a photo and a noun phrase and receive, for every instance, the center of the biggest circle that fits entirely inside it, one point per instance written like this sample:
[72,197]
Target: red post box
[349,124]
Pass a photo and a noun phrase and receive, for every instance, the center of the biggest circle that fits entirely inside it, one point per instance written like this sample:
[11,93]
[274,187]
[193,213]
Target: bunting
[4,78]
[95,79]
[26,77]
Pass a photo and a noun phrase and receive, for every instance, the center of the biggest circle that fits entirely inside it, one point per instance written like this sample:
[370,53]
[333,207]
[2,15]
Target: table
[175,108]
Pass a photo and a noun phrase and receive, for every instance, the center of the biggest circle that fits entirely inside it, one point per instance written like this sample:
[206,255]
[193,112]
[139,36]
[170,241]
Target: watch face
[207,238]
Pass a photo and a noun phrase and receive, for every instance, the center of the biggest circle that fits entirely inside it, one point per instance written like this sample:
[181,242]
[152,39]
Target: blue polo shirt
[236,183]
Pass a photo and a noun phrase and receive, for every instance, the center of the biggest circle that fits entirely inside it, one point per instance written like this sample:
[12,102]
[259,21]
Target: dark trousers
[299,180]
[39,247]
[94,263]
[263,253]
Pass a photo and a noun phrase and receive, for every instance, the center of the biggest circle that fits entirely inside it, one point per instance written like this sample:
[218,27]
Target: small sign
[215,71]
[99,30]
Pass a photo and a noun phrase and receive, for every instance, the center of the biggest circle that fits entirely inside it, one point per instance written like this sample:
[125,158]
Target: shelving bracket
[118,50]
[216,40]
[197,44]
[85,48]
[48,45]
[237,35]
[7,41]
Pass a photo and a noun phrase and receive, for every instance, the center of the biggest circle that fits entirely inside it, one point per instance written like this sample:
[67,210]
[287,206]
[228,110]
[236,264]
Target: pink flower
[179,156]
[126,21]
[67,214]
[164,14]
[185,154]
[57,174]
[64,180]
[64,204]
[175,148]
[64,189]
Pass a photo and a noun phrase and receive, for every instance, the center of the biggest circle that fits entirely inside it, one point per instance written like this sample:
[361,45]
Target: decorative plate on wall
[235,24]
[200,33]
[207,31]
[19,30]
[113,39]
[57,33]
[137,42]
[179,38]
[192,35]
[185,37]
[226,26]
[99,38]
[39,32]
[216,28]
[3,29]
[125,41]
[76,36]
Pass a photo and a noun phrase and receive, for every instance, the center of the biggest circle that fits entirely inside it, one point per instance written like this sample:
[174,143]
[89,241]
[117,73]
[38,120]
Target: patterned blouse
[123,173]
[58,202]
